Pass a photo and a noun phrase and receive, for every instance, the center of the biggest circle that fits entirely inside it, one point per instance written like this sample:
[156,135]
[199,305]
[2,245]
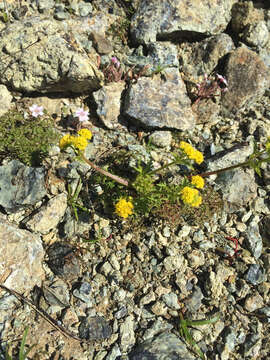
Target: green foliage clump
[27,140]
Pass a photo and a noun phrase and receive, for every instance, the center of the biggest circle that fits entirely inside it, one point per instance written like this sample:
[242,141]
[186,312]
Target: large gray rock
[247,77]
[20,186]
[159,19]
[164,346]
[21,253]
[202,57]
[160,103]
[44,55]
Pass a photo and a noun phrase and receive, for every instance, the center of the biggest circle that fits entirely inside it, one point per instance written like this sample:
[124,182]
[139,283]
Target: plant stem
[104,172]
[162,167]
[246,163]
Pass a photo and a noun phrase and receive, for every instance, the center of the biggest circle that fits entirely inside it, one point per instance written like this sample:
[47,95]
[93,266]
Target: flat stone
[253,302]
[94,328]
[108,100]
[158,19]
[63,261]
[20,186]
[163,346]
[22,253]
[49,215]
[103,46]
[52,59]
[127,334]
[247,77]
[160,103]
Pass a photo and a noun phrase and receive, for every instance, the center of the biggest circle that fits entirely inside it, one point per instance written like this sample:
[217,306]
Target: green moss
[27,140]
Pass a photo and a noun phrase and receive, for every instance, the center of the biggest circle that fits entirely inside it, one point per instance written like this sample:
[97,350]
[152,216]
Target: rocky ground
[117,288]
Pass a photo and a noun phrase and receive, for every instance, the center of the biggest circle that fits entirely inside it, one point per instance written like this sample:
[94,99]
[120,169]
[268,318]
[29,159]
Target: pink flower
[115,61]
[36,110]
[82,114]
[222,79]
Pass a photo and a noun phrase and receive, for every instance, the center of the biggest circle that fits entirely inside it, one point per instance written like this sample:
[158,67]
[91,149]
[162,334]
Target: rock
[63,261]
[232,156]
[22,253]
[5,100]
[83,292]
[216,280]
[194,302]
[161,139]
[202,57]
[253,302]
[163,346]
[57,293]
[103,46]
[238,188]
[255,274]
[196,258]
[256,34]
[244,14]
[254,239]
[52,60]
[108,100]
[127,335]
[160,55]
[174,263]
[171,300]
[20,186]
[94,328]
[247,78]
[158,19]
[158,103]
[114,354]
[230,341]
[49,215]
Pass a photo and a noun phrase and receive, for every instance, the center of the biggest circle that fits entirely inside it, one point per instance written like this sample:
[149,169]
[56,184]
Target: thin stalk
[104,172]
[163,167]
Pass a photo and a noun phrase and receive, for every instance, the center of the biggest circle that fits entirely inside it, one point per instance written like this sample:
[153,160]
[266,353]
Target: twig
[45,316]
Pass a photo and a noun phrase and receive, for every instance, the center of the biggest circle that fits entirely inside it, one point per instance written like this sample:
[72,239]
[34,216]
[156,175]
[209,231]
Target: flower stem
[104,172]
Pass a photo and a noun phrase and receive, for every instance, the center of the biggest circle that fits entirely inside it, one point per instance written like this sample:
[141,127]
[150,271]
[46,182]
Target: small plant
[73,199]
[114,72]
[26,139]
[211,87]
[22,352]
[150,189]
[120,30]
[184,332]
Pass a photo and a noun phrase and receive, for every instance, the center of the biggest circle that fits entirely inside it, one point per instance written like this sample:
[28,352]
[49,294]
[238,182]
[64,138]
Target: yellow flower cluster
[192,153]
[79,142]
[197,181]
[124,208]
[191,196]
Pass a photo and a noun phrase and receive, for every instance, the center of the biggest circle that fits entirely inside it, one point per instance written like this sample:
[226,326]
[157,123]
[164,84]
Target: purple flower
[115,61]
[82,114]
[36,110]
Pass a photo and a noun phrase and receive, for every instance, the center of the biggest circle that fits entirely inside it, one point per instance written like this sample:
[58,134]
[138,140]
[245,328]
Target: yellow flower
[65,141]
[85,133]
[191,196]
[124,208]
[192,153]
[79,142]
[197,181]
